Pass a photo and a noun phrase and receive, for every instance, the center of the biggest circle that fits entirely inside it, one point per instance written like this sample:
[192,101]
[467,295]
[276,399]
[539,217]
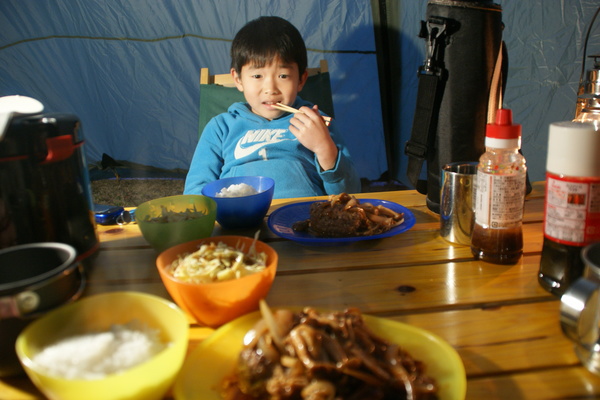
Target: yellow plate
[205,368]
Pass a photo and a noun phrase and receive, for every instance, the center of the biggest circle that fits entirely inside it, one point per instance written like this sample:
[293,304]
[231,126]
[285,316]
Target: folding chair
[218,92]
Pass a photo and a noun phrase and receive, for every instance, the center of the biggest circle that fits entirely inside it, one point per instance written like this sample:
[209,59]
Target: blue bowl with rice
[242,202]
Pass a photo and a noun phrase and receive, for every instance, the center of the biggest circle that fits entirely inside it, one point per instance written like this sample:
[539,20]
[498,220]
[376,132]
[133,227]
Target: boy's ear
[237,80]
[303,80]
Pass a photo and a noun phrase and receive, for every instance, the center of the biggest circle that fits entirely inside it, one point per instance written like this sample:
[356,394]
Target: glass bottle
[497,235]
[572,206]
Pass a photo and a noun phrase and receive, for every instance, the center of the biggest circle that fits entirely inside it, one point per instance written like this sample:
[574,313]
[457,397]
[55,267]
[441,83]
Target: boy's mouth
[269,103]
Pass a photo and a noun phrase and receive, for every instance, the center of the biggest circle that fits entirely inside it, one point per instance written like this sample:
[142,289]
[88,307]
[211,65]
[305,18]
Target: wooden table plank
[404,249]
[383,288]
[413,289]
[502,340]
[19,388]
[559,383]
[130,235]
[504,326]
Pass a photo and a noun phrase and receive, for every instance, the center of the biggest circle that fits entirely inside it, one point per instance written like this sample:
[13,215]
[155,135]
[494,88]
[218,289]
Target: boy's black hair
[263,39]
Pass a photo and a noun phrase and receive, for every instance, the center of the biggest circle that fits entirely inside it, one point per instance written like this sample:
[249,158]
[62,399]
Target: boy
[302,155]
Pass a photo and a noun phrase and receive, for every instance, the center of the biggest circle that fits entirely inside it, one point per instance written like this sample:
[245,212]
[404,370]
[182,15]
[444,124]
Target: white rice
[237,190]
[96,355]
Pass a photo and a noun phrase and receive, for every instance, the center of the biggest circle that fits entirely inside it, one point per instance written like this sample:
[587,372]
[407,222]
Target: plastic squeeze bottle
[572,205]
[497,235]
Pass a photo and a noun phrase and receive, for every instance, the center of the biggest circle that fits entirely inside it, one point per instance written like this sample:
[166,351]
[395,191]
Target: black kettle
[45,193]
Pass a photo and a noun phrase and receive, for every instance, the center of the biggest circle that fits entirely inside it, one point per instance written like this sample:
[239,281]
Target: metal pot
[34,278]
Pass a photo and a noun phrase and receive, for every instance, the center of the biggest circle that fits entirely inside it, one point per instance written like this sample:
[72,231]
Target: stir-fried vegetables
[167,215]
[309,355]
[344,215]
[215,262]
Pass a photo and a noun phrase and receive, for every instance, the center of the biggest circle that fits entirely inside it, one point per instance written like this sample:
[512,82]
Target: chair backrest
[218,92]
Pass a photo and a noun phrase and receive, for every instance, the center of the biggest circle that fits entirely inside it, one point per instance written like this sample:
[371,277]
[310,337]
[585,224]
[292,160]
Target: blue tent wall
[130,69]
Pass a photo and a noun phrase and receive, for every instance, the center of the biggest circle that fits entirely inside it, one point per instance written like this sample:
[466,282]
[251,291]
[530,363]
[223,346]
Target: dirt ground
[127,192]
[133,192]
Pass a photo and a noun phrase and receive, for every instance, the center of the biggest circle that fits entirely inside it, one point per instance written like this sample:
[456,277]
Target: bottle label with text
[499,200]
[572,210]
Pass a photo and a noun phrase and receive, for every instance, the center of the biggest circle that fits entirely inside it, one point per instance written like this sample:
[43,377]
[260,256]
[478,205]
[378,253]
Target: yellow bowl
[221,351]
[214,304]
[147,381]
[162,235]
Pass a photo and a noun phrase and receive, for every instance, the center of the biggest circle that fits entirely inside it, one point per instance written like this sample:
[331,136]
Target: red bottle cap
[504,127]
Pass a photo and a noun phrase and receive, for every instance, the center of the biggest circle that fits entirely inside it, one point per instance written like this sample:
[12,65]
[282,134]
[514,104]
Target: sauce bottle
[497,235]
[572,206]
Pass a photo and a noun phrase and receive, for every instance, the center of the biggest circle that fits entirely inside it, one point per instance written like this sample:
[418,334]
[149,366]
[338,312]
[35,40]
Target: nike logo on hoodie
[254,140]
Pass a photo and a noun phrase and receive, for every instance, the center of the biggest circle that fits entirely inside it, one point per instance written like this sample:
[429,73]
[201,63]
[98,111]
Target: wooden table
[503,324]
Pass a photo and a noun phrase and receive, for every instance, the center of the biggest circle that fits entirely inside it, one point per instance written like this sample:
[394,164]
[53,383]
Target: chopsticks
[283,107]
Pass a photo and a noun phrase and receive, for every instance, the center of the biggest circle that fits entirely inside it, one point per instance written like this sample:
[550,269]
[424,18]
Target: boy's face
[276,82]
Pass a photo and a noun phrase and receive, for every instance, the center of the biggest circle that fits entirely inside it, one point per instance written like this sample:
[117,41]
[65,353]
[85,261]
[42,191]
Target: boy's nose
[270,87]
[271,91]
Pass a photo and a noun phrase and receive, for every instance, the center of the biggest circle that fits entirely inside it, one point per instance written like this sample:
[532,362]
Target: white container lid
[573,149]
[502,143]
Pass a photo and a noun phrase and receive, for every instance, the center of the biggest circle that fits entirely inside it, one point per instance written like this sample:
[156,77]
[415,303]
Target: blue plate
[283,219]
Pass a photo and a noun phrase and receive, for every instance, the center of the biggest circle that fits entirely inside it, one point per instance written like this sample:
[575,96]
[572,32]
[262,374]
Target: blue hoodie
[241,143]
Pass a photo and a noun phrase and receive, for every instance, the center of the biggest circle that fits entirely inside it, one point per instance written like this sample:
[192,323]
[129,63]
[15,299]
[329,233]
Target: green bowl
[162,235]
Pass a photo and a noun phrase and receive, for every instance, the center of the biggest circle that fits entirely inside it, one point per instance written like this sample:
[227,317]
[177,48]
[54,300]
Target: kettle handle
[59,148]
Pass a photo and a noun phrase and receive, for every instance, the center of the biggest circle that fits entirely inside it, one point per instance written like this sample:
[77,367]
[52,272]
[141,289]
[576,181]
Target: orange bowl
[214,304]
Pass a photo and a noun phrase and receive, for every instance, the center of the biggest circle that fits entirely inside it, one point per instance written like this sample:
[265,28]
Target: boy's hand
[311,131]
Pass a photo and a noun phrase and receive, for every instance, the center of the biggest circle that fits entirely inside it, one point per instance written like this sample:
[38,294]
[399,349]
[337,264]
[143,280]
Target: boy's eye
[256,76]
